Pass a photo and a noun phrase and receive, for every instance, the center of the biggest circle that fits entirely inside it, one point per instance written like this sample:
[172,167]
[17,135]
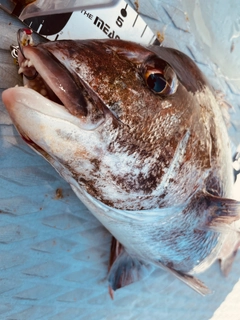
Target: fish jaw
[49,128]
[39,65]
[154,134]
[57,78]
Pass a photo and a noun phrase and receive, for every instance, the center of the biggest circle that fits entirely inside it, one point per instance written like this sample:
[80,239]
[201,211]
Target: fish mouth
[71,97]
[43,73]
[51,91]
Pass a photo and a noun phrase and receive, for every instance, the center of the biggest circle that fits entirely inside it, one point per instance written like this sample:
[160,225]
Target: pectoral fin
[215,213]
[222,212]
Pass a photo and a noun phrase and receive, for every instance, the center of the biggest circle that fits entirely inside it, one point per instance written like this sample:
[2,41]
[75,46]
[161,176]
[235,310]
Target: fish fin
[115,251]
[226,262]
[126,270]
[188,279]
[218,213]
[192,282]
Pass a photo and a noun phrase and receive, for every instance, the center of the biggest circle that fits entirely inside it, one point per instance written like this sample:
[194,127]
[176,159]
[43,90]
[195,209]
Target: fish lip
[25,96]
[78,98]
[25,103]
[32,144]
[25,137]
[60,81]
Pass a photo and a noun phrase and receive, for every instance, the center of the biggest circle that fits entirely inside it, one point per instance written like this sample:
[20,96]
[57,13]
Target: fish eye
[156,82]
[161,79]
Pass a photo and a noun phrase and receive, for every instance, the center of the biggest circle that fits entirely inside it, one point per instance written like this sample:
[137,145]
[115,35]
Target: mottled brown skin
[147,129]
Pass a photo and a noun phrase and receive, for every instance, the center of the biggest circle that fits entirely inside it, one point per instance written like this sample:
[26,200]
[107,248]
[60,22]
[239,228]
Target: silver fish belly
[138,134]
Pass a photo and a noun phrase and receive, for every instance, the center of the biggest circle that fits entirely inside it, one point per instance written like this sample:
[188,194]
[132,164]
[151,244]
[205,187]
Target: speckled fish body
[139,135]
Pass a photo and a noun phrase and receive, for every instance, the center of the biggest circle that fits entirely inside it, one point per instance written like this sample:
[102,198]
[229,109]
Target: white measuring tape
[117,22]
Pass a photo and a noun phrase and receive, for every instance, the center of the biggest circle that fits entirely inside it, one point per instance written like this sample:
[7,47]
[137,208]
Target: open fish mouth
[46,75]
[33,80]
[51,94]
[50,89]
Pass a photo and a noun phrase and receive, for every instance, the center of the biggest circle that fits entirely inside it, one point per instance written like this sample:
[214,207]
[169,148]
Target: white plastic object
[41,7]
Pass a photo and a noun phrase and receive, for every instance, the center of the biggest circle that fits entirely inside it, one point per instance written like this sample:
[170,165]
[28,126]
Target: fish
[139,135]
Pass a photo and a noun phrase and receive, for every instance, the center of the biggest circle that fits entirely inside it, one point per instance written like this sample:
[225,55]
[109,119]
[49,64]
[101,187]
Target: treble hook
[24,38]
[14,53]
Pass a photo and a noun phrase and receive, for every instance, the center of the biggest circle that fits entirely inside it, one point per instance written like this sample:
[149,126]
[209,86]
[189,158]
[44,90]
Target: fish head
[116,117]
[140,132]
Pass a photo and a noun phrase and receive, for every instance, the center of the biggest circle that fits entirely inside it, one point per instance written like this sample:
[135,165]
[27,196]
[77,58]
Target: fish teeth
[29,63]
[24,64]
[20,70]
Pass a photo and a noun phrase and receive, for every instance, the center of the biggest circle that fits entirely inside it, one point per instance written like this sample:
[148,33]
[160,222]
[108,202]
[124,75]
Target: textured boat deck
[54,253]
